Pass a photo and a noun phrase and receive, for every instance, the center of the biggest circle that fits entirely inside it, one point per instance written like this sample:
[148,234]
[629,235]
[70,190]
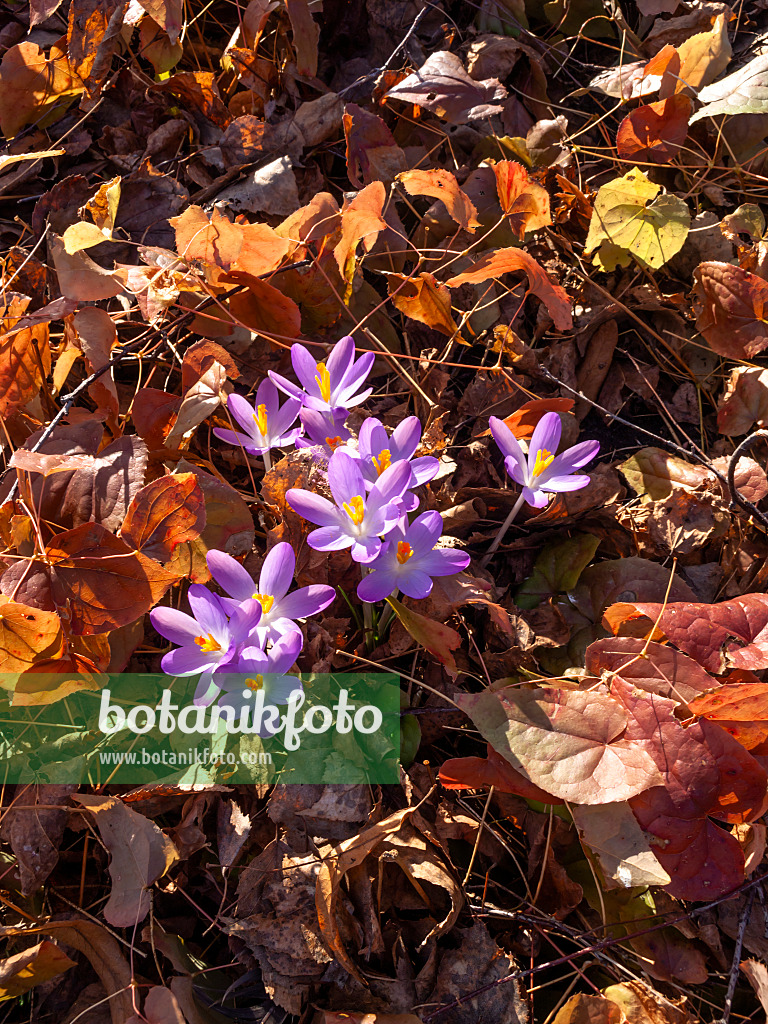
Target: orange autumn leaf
[167,512]
[361,221]
[442,185]
[26,634]
[525,202]
[422,298]
[32,85]
[739,708]
[522,422]
[655,132]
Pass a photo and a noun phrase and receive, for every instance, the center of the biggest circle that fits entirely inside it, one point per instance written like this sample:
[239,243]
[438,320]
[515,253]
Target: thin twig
[744,917]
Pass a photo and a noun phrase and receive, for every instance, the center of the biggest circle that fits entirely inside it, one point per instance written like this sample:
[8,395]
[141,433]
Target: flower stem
[502,530]
[367,616]
[386,615]
[267,461]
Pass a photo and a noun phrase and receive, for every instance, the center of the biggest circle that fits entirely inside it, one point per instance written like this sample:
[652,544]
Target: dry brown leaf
[442,185]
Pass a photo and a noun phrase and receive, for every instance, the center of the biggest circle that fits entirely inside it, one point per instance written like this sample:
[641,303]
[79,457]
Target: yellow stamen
[333,442]
[384,460]
[260,416]
[207,644]
[543,460]
[355,509]
[255,684]
[266,601]
[323,379]
[404,551]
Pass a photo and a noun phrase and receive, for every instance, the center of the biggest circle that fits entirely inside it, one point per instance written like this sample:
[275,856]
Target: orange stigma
[323,379]
[543,460]
[255,684]
[207,644]
[260,418]
[384,460]
[404,551]
[333,442]
[355,509]
[266,601]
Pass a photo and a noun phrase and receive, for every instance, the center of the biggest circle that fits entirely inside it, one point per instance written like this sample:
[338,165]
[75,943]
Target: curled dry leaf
[525,202]
[168,512]
[442,185]
[23,971]
[744,404]
[655,132]
[436,637]
[140,853]
[443,86]
[422,298]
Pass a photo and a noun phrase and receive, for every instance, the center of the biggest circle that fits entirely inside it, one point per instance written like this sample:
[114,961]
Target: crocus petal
[253,659]
[267,395]
[443,562]
[286,386]
[425,531]
[546,436]
[517,470]
[574,482]
[273,628]
[279,688]
[230,575]
[207,609]
[207,691]
[506,440]
[344,478]
[284,653]
[392,482]
[415,583]
[313,507]
[176,626]
[340,360]
[281,420]
[239,440]
[574,458]
[536,498]
[365,435]
[346,400]
[423,469]
[305,368]
[405,437]
[329,538]
[307,601]
[245,618]
[242,410]
[355,374]
[377,585]
[185,661]
[277,571]
[365,549]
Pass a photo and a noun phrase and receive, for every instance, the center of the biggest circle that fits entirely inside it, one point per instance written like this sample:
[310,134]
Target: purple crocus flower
[409,559]
[356,521]
[266,424]
[542,472]
[329,385]
[264,671]
[208,639]
[279,608]
[324,430]
[376,451]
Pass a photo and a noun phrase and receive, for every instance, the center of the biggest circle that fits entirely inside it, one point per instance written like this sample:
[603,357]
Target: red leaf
[655,132]
[734,315]
[493,770]
[731,634]
[164,514]
[650,666]
[525,202]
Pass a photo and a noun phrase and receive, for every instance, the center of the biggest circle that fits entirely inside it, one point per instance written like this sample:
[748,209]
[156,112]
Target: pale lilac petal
[415,583]
[305,368]
[275,628]
[347,400]
[329,538]
[365,549]
[240,440]
[267,395]
[284,653]
[285,440]
[546,436]
[444,562]
[313,507]
[245,618]
[277,571]
[207,609]
[423,470]
[307,601]
[176,626]
[364,437]
[230,575]
[207,691]
[574,458]
[185,661]
[377,585]
[253,660]
[355,373]
[536,498]
[340,360]
[280,688]
[425,532]
[344,478]
[378,441]
[242,411]
[506,440]
[286,386]
[405,438]
[392,482]
[517,470]
[573,482]
[409,502]
[282,419]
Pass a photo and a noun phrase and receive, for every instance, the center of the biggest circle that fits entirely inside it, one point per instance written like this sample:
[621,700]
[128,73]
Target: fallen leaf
[505,261]
[565,741]
[34,830]
[25,355]
[643,1005]
[264,310]
[649,666]
[557,569]
[435,637]
[23,971]
[79,277]
[583,1009]
[739,708]
[369,143]
[493,770]
[655,132]
[442,185]
[167,512]
[743,92]
[98,335]
[705,55]
[361,221]
[654,474]
[140,853]
[632,221]
[525,203]
[32,85]
[731,634]
[756,974]
[734,309]
[306,32]
[27,635]
[442,86]
[624,852]
[422,298]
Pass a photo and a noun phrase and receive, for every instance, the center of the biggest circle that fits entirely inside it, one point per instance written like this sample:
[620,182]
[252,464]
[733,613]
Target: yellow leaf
[83,235]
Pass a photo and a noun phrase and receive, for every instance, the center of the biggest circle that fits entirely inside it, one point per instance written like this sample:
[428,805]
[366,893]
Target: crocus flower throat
[384,461]
[404,551]
[207,644]
[355,509]
[260,419]
[544,460]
